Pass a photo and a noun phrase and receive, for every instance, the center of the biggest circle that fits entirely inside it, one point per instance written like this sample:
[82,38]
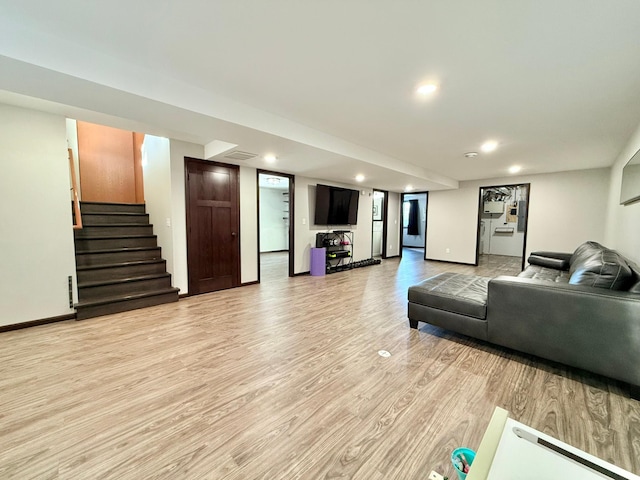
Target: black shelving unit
[339,248]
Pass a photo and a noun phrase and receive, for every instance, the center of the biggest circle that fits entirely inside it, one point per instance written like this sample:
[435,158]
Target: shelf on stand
[339,249]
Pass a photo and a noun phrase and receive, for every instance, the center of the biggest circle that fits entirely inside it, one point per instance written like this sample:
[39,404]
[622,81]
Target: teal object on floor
[456,459]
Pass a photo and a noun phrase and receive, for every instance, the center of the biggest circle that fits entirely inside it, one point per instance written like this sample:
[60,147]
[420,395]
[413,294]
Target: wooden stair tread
[115,250]
[124,298]
[111,203]
[124,214]
[137,278]
[108,225]
[102,237]
[120,264]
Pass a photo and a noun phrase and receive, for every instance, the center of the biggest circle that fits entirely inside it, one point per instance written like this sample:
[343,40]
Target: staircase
[118,262]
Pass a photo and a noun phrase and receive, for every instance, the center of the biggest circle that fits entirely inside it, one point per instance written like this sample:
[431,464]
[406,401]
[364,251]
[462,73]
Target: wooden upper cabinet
[110,164]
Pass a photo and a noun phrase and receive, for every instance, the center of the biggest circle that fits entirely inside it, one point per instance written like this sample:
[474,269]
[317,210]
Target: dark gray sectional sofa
[581,309]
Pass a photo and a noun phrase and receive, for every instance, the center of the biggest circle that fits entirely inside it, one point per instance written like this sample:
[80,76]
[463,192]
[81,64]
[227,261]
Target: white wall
[248,225]
[363,232]
[565,210]
[416,240]
[305,231]
[274,213]
[623,222]
[178,150]
[452,224]
[376,241]
[393,224]
[36,244]
[156,172]
[378,230]
[72,143]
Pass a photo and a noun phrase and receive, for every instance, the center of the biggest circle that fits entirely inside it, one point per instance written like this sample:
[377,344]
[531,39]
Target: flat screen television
[336,206]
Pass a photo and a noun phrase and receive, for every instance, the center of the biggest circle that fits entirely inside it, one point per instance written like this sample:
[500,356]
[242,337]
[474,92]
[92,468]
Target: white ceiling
[329,86]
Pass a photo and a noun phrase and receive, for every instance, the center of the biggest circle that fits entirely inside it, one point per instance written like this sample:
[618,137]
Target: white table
[511,450]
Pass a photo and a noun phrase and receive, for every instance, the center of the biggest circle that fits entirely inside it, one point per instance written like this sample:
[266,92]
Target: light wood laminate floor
[282,380]
[274,266]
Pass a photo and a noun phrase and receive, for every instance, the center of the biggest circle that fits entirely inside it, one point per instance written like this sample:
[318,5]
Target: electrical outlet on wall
[448,250]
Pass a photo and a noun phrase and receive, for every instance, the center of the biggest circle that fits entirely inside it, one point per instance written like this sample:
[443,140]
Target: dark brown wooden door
[213,222]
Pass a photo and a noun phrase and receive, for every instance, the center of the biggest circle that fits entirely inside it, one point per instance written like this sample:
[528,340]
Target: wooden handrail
[74,186]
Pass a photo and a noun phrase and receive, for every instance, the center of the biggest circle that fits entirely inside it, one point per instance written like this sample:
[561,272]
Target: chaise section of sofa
[580,326]
[581,309]
[453,301]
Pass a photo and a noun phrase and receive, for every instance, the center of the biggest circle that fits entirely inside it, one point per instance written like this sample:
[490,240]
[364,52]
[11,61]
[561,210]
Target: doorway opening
[275,231]
[502,226]
[379,225]
[413,236]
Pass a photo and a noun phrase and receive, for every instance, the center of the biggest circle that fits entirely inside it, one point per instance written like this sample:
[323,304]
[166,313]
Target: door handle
[233,234]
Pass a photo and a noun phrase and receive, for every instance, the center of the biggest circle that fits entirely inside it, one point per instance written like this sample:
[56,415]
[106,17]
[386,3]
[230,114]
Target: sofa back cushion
[583,253]
[597,266]
[635,277]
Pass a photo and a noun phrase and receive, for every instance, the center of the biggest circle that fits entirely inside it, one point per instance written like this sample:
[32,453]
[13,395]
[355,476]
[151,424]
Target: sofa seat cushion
[536,272]
[453,292]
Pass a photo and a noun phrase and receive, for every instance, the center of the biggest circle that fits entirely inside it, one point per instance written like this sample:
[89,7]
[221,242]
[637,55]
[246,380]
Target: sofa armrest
[557,260]
[586,327]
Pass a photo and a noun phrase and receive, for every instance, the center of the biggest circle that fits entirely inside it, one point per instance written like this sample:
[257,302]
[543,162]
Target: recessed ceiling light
[273,180]
[408,188]
[471,154]
[359,178]
[426,89]
[489,146]
[270,158]
[515,169]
